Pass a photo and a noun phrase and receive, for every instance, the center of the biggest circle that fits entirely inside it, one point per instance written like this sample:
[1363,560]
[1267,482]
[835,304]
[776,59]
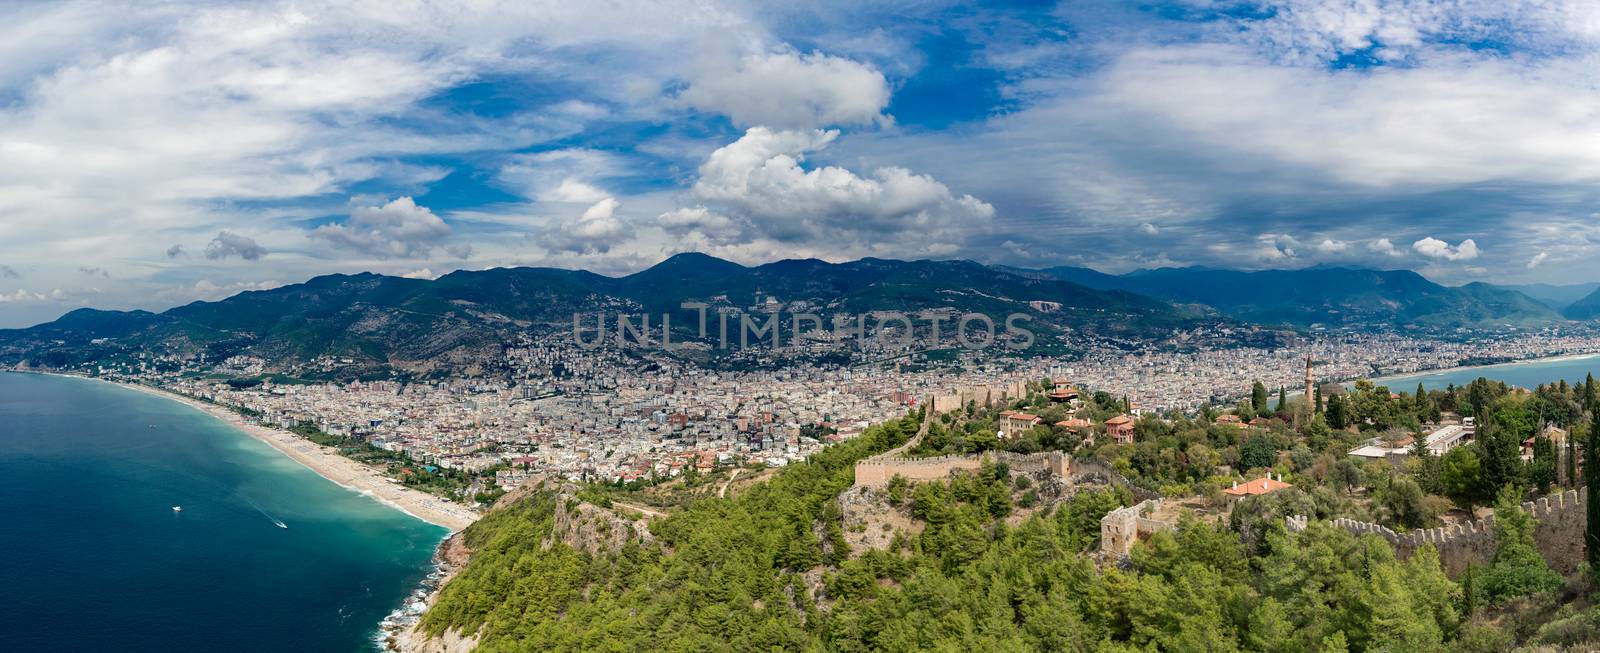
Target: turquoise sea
[1524,374]
[94,558]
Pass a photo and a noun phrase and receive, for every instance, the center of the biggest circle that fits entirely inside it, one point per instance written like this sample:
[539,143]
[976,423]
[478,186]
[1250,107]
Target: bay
[1524,374]
[265,555]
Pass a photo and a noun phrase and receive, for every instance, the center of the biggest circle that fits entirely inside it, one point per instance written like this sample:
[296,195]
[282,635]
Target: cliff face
[592,529]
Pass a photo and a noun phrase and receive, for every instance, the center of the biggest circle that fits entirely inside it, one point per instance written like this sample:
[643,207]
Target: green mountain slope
[462,319]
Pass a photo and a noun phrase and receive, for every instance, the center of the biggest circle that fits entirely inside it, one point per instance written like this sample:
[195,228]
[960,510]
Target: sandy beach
[330,465]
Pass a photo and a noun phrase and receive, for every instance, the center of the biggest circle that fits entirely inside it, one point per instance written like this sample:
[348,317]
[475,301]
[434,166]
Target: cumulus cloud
[6,272]
[1275,247]
[1384,246]
[175,251]
[718,227]
[1538,259]
[1437,249]
[228,244]
[1149,229]
[596,230]
[758,188]
[1331,246]
[786,90]
[399,229]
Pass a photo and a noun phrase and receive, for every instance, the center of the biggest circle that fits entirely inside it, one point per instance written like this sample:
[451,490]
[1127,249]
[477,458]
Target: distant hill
[461,321]
[1585,308]
[1326,295]
[1557,297]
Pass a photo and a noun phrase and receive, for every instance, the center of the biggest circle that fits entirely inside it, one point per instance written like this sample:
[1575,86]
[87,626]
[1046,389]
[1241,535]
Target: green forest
[993,566]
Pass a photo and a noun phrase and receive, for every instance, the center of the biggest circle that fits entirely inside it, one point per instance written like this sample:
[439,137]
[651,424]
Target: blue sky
[154,154]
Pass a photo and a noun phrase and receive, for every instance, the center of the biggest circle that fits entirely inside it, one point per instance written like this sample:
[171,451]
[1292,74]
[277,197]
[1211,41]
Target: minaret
[1311,396]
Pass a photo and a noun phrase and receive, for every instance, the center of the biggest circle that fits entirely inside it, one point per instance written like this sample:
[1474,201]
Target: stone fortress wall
[876,472]
[1120,529]
[1559,531]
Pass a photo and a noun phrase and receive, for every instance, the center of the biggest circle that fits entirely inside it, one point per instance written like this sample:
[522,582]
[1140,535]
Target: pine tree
[1316,391]
[1283,402]
[1502,454]
[1258,397]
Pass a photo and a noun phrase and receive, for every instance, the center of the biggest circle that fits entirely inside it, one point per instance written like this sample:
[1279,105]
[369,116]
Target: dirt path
[722,493]
[638,508]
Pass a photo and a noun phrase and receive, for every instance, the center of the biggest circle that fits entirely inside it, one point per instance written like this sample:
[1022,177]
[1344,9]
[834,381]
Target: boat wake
[275,521]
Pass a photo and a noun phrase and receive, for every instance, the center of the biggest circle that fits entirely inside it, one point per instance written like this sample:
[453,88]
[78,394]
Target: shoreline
[337,469]
[1381,380]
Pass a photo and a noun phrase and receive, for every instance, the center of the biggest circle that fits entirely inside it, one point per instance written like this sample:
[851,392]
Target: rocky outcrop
[592,529]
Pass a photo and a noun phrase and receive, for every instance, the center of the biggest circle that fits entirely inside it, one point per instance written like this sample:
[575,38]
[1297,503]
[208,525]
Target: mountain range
[462,320]
[1334,296]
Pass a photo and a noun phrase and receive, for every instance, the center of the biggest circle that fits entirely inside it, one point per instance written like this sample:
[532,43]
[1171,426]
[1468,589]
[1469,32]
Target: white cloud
[1331,246]
[1435,248]
[596,230]
[786,90]
[227,244]
[563,175]
[1538,259]
[760,183]
[1322,30]
[698,219]
[399,229]
[1384,246]
[1149,229]
[1275,247]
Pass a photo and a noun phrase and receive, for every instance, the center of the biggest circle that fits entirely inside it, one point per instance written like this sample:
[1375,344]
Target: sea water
[264,556]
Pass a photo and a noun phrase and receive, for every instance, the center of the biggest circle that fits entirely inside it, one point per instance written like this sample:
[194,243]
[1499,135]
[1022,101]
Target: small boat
[177,508]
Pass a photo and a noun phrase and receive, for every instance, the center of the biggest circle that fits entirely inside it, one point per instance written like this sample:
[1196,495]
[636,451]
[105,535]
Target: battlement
[1120,529]
[876,472]
[1560,520]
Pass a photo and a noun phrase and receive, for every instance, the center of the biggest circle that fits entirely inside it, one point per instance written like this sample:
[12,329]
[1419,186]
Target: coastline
[1381,380]
[326,463]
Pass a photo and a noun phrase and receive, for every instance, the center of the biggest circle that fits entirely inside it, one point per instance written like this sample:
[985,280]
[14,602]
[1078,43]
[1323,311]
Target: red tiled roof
[1263,485]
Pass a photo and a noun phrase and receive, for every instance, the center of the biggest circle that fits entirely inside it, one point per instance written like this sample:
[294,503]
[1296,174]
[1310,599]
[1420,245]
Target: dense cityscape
[599,415]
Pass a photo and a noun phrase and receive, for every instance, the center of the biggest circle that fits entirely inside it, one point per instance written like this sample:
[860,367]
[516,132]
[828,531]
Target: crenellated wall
[876,472]
[1560,521]
[1120,529]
